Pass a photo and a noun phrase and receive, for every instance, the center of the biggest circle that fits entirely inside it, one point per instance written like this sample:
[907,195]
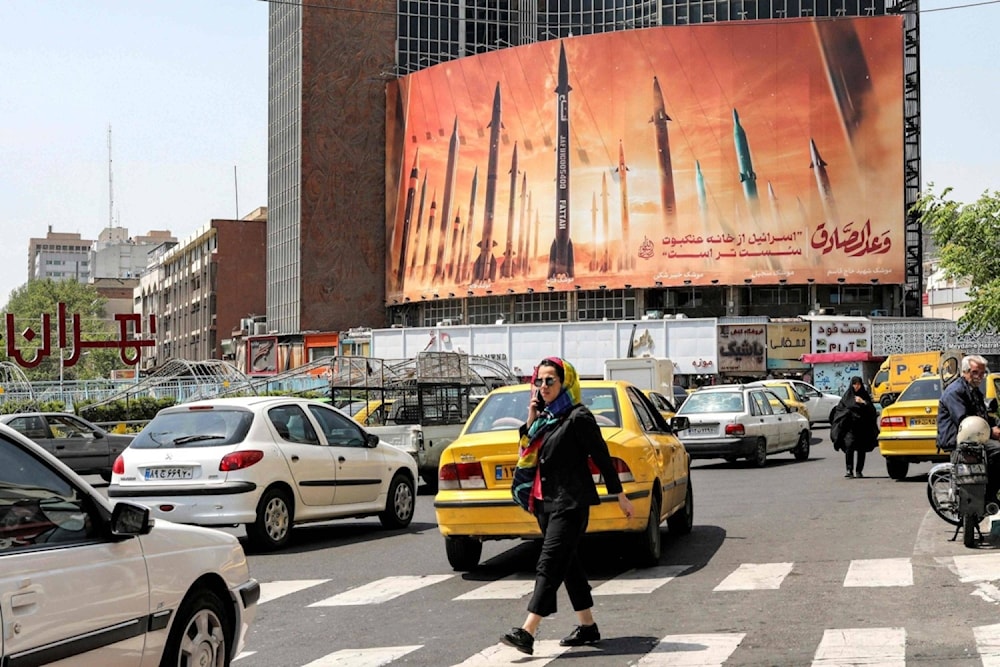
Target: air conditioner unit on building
[259,328]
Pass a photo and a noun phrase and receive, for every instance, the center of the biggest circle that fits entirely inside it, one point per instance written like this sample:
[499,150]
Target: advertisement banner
[834,334]
[741,349]
[667,156]
[786,343]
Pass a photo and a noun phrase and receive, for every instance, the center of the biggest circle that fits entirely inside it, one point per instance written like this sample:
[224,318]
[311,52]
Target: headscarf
[848,398]
[568,397]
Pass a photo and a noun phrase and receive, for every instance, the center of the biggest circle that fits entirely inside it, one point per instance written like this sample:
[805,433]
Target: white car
[267,462]
[84,584]
[820,404]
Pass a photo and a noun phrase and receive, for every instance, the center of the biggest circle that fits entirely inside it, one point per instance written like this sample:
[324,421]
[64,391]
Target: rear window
[194,428]
[508,410]
[712,402]
[922,390]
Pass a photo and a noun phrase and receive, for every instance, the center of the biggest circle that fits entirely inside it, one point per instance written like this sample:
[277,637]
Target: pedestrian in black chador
[854,426]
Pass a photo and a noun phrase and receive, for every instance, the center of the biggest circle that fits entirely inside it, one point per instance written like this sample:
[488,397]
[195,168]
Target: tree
[968,240]
[37,297]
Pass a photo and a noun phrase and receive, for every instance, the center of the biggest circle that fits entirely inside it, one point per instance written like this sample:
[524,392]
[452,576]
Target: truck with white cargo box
[647,373]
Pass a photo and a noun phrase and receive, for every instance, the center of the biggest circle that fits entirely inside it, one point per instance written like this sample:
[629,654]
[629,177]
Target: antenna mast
[111,185]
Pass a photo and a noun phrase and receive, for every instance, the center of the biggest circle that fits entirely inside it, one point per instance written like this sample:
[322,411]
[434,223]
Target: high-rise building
[59,256]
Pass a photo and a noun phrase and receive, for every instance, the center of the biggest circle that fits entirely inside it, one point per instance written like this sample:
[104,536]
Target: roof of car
[242,402]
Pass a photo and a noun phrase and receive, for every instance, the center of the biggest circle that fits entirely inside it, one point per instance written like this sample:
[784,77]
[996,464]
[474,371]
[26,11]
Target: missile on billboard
[450,178]
[418,234]
[455,229]
[605,263]
[485,268]
[625,259]
[823,183]
[521,227]
[532,248]
[561,252]
[747,176]
[465,271]
[593,232]
[773,201]
[411,192]
[430,228]
[507,267]
[667,196]
[699,184]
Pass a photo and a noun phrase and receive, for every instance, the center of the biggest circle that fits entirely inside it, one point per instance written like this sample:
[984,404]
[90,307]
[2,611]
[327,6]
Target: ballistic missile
[507,267]
[561,251]
[419,239]
[464,268]
[485,268]
[773,200]
[747,176]
[823,183]
[450,177]
[521,224]
[593,232]
[430,228]
[848,74]
[453,245]
[625,259]
[667,198]
[411,192]
[532,250]
[699,184]
[605,263]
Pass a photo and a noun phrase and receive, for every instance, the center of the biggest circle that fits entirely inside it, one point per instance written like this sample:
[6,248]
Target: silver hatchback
[740,421]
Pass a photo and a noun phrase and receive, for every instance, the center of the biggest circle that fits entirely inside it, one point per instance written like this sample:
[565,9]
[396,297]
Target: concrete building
[60,256]
[115,254]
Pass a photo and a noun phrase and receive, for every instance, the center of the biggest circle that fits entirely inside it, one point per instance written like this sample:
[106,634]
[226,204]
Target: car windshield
[712,401]
[922,390]
[508,410]
[194,428]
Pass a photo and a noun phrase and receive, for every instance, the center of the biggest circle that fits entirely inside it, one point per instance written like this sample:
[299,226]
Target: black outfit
[854,428]
[568,491]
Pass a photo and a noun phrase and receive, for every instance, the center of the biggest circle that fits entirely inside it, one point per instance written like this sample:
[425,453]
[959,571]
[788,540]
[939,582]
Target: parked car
[908,427]
[268,462]
[85,447]
[733,421]
[83,583]
[819,403]
[474,500]
[788,395]
[664,405]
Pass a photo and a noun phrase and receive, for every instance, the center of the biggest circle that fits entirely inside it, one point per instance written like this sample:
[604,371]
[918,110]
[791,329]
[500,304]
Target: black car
[85,447]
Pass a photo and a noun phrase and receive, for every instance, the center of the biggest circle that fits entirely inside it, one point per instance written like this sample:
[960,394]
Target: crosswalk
[838,647]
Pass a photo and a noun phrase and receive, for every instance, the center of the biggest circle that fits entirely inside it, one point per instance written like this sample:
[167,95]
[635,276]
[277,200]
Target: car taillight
[239,460]
[892,422]
[624,472]
[119,466]
[461,476]
[735,429]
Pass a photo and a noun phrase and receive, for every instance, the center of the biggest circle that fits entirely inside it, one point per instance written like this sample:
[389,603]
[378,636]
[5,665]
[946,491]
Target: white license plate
[702,430]
[169,473]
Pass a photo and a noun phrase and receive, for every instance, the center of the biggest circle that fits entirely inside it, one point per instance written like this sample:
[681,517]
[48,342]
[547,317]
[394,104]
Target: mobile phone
[538,400]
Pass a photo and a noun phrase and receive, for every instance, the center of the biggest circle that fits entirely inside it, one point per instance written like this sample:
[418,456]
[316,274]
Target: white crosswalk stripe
[501,654]
[705,650]
[509,588]
[364,657]
[882,572]
[382,590]
[637,582]
[988,644]
[275,589]
[876,647]
[755,576]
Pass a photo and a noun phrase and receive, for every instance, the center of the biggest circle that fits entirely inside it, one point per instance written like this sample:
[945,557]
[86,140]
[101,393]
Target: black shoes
[520,639]
[849,474]
[858,474]
[582,635]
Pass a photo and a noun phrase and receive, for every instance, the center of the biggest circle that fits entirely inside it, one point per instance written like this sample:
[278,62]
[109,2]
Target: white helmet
[973,430]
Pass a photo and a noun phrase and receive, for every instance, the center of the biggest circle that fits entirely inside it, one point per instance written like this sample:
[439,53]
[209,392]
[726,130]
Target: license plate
[923,421]
[505,472]
[169,473]
[702,430]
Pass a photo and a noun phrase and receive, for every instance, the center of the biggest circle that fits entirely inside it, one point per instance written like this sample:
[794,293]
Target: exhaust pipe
[992,508]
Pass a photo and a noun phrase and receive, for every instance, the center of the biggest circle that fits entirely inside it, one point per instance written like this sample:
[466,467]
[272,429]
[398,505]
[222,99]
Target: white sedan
[820,404]
[267,462]
[83,584]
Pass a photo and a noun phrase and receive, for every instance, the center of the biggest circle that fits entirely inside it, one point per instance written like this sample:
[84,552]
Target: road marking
[363,657]
[509,588]
[755,576]
[501,654]
[981,567]
[710,650]
[988,644]
[244,654]
[871,573]
[382,590]
[875,647]
[637,582]
[276,589]
[930,534]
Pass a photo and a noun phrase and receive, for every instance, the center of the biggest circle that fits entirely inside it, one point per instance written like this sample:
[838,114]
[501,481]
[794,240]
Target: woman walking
[854,426]
[561,496]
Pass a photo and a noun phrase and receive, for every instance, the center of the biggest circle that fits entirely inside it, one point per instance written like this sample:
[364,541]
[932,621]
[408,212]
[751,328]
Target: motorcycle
[957,490]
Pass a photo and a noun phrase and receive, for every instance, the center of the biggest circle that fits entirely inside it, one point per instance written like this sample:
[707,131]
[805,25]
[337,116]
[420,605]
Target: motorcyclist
[962,399]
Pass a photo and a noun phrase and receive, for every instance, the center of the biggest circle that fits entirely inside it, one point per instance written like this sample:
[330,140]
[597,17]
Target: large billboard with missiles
[708,154]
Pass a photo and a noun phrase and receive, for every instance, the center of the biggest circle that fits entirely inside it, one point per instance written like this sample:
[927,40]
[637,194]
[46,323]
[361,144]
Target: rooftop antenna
[111,185]
[236,189]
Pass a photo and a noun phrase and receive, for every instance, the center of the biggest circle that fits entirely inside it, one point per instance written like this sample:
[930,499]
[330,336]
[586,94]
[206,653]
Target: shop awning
[835,357]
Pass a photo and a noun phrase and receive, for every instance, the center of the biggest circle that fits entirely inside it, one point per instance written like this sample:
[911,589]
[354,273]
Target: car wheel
[759,456]
[887,400]
[648,553]
[896,467]
[199,634]
[463,552]
[681,523]
[399,503]
[106,476]
[273,527]
[801,450]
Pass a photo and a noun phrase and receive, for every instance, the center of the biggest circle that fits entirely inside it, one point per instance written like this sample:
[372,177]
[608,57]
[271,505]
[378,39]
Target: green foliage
[38,297]
[140,408]
[27,405]
[968,240]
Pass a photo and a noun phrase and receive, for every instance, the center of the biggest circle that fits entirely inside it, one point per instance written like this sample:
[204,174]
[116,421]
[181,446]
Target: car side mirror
[679,423]
[371,440]
[129,520]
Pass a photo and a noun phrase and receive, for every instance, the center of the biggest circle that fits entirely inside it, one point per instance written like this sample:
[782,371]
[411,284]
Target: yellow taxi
[474,501]
[908,427]
[663,404]
[788,395]
[373,412]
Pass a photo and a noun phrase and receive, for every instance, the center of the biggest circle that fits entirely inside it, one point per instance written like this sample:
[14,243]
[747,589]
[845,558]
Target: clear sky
[183,85]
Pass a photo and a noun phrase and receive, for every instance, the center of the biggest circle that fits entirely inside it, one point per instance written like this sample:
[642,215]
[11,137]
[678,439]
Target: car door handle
[295,459]
[26,599]
[341,459]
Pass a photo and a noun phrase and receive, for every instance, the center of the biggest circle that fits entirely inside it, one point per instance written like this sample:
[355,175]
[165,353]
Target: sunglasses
[548,382]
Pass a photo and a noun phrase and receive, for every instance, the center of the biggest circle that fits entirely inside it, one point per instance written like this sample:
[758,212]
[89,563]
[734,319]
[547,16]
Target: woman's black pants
[559,563]
[849,456]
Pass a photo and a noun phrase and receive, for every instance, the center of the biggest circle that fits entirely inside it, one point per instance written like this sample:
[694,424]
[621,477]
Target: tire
[681,523]
[801,450]
[463,552]
[970,522]
[650,540]
[106,476]
[940,496]
[273,527]
[399,503]
[896,467]
[887,400]
[200,634]
[759,456]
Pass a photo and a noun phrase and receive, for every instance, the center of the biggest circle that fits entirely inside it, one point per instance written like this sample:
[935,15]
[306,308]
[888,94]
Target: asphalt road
[791,564]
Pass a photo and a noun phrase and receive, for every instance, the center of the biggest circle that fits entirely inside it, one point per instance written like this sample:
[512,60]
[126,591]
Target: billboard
[707,154]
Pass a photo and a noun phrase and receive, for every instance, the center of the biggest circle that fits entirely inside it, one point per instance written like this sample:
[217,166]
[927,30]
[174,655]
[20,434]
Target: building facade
[60,256]
[115,254]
